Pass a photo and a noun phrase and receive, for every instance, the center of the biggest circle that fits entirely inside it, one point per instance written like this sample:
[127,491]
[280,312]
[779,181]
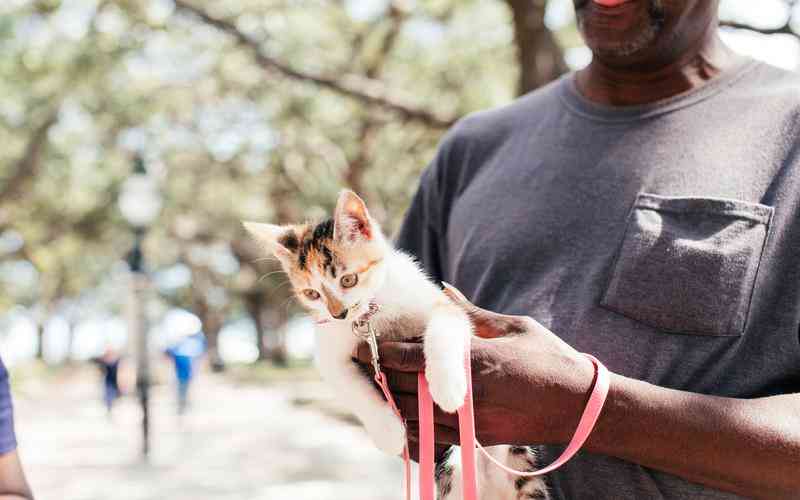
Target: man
[646,210]
[13,485]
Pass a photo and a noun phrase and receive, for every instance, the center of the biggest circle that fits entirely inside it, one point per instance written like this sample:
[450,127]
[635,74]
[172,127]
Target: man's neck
[628,86]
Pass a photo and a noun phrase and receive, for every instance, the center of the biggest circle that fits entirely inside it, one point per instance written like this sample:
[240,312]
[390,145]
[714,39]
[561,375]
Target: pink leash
[466,423]
[426,465]
[380,379]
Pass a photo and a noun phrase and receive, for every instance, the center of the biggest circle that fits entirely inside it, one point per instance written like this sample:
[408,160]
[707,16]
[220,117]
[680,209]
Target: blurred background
[138,133]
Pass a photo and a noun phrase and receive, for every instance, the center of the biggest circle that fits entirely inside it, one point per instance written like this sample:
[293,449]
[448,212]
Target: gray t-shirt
[664,239]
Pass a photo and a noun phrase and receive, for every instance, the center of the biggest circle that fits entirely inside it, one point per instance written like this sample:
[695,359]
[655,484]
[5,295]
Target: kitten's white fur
[405,296]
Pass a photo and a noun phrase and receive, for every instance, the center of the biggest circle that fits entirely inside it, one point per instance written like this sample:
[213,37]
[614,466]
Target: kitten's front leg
[446,340]
[493,482]
[357,391]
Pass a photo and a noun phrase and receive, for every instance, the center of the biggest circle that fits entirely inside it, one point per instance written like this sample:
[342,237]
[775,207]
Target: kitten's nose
[341,315]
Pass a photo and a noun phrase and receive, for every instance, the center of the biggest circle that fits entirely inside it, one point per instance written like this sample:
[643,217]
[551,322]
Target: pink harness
[466,424]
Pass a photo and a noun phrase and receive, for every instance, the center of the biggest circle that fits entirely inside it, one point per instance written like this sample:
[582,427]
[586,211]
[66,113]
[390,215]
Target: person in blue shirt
[13,485]
[109,367]
[183,354]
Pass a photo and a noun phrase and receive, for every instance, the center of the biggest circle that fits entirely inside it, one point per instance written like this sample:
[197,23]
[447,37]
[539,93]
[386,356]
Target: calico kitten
[338,268]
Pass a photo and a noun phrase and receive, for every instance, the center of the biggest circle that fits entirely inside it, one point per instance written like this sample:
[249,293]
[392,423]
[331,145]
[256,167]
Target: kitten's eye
[311,294]
[349,280]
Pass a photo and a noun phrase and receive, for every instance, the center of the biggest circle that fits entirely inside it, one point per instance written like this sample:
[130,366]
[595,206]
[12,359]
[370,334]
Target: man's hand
[529,386]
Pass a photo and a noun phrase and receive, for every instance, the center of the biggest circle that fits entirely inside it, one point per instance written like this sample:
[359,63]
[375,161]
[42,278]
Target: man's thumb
[454,294]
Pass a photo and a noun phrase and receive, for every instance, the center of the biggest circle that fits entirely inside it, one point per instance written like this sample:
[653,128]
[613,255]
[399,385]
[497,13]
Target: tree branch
[28,164]
[540,58]
[367,90]
[354,176]
[786,29]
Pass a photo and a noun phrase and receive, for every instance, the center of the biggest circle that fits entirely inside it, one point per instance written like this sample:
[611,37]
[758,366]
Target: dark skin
[13,485]
[748,447]
[678,49]
[644,51]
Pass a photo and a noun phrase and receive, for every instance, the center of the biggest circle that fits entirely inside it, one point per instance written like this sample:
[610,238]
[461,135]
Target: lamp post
[140,203]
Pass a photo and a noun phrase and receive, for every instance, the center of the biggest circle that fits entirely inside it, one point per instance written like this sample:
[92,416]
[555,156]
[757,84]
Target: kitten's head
[336,266]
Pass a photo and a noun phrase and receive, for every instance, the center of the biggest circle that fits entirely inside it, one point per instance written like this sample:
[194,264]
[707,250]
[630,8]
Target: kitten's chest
[396,327]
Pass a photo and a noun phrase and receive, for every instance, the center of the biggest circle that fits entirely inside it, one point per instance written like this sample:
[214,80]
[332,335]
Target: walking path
[236,443]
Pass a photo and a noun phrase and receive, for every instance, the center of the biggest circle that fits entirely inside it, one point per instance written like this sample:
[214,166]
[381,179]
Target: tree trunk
[70,342]
[254,304]
[212,324]
[539,56]
[40,339]
[276,318]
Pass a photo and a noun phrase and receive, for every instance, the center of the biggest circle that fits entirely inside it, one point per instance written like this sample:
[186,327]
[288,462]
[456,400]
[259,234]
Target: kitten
[338,268]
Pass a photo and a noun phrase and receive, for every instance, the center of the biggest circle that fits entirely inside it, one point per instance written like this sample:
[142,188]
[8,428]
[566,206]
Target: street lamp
[140,203]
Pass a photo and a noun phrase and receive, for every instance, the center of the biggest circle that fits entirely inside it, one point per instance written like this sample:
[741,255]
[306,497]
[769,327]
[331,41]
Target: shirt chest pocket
[688,265]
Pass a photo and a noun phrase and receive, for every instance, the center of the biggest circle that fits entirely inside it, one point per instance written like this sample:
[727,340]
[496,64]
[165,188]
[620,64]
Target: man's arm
[530,387]
[746,446]
[13,485]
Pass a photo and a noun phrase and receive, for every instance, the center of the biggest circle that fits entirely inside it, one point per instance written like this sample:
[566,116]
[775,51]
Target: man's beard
[655,22]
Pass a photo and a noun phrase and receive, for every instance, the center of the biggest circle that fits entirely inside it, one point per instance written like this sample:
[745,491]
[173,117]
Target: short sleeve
[8,440]
[419,234]
[423,232]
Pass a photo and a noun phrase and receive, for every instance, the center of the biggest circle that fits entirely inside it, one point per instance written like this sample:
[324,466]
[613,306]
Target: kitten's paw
[448,390]
[387,432]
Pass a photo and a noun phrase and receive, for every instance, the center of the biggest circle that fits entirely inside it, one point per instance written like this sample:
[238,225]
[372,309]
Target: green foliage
[227,138]
[256,110]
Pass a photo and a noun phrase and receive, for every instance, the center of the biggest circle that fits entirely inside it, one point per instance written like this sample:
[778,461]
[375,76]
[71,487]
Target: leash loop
[585,425]
[363,329]
[466,418]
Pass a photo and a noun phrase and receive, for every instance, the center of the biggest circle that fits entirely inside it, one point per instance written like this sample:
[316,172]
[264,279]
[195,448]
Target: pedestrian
[646,210]
[109,369]
[184,354]
[13,483]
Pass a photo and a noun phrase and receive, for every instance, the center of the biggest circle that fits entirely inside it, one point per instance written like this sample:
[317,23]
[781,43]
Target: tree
[244,110]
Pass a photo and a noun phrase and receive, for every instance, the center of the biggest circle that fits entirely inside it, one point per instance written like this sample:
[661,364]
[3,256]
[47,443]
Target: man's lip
[611,3]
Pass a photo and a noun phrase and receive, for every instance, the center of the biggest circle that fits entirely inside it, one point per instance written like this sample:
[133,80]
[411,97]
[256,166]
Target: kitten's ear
[351,218]
[281,241]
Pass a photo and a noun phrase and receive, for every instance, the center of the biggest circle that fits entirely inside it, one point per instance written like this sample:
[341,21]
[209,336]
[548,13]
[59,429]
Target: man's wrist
[614,426]
[567,402]
[579,390]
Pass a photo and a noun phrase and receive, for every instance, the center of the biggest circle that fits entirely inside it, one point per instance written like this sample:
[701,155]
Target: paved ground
[237,443]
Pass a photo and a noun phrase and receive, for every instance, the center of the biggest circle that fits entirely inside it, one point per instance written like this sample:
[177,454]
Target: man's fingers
[401,356]
[443,437]
[458,298]
[362,353]
[407,404]
[485,322]
[401,381]
[413,447]
[489,324]
[454,293]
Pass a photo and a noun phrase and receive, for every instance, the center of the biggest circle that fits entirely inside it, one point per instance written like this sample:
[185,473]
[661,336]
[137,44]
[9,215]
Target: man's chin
[623,50]
[620,31]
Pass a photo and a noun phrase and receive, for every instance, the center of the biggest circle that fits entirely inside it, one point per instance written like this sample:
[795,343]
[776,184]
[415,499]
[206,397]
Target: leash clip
[372,340]
[362,328]
[366,332]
